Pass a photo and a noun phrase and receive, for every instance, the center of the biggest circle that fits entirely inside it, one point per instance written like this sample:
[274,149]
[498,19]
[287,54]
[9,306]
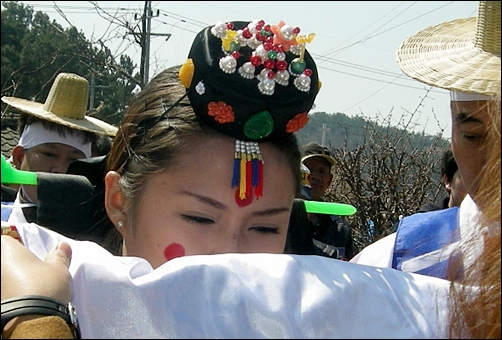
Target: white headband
[457,96]
[36,134]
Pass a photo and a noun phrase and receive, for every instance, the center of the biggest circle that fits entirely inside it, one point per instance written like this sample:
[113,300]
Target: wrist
[14,323]
[38,327]
[28,307]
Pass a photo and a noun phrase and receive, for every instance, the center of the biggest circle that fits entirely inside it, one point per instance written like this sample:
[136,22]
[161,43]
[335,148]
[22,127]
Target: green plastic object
[315,207]
[11,175]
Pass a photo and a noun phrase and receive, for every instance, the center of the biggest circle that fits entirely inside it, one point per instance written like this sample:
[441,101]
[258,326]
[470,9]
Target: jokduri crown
[252,81]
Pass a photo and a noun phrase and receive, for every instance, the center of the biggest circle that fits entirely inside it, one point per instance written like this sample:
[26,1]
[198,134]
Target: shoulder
[431,206]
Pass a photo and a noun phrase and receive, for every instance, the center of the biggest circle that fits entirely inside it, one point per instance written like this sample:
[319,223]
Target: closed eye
[266,230]
[49,154]
[473,138]
[197,219]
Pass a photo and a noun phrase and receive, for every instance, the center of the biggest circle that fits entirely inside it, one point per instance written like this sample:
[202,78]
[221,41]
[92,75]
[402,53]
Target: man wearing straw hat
[462,56]
[54,133]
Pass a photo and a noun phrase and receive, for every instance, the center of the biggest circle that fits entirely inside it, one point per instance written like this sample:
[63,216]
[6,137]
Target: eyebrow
[218,205]
[464,117]
[205,199]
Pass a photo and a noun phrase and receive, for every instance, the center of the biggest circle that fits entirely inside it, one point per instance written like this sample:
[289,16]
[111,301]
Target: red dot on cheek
[174,250]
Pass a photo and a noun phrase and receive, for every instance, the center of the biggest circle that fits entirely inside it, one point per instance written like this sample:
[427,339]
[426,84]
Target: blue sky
[355,45]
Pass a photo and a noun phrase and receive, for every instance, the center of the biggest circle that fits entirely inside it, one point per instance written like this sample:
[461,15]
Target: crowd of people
[199,207]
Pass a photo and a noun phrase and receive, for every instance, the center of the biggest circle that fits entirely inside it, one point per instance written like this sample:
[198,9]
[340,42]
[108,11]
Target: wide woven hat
[458,55]
[66,104]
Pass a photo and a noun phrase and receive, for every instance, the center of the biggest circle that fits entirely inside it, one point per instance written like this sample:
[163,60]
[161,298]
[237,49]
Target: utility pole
[324,130]
[146,33]
[92,87]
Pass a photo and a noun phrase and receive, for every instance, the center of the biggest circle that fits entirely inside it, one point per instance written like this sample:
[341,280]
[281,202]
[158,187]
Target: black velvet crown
[252,81]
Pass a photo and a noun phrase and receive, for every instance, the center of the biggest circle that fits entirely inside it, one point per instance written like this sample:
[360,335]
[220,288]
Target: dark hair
[27,119]
[101,146]
[300,235]
[448,164]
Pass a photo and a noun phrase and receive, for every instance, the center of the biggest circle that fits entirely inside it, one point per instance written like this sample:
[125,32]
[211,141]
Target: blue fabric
[6,210]
[423,233]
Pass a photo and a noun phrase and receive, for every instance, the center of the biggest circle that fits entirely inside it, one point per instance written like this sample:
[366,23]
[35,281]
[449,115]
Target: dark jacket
[438,205]
[8,194]
[335,231]
[330,230]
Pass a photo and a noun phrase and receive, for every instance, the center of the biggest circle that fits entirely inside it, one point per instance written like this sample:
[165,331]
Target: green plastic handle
[315,207]
[11,175]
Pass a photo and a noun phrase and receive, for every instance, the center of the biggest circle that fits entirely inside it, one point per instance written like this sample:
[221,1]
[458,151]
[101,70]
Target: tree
[34,50]
[389,174]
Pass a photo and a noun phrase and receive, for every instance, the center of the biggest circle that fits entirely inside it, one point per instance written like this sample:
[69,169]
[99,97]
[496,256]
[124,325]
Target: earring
[120,224]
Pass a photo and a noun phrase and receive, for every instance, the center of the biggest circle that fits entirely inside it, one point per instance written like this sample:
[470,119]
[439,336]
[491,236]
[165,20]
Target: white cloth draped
[244,296]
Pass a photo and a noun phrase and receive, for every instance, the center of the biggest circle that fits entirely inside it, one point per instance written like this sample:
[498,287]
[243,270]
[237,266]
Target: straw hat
[458,55]
[66,104]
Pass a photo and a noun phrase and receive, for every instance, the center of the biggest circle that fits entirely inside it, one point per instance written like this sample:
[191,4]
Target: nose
[230,243]
[313,177]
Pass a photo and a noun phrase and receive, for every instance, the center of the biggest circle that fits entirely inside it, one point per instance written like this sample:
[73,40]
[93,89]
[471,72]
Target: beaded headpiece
[254,82]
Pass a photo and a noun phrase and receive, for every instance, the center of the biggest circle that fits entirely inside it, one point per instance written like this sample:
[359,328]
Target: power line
[363,40]
[325,58]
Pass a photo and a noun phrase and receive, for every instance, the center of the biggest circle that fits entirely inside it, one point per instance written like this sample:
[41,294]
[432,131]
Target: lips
[315,186]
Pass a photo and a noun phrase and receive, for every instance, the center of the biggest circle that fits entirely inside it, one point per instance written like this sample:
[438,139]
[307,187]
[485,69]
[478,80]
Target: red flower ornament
[297,122]
[221,112]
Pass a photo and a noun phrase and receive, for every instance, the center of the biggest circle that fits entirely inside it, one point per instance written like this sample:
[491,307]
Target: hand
[23,273]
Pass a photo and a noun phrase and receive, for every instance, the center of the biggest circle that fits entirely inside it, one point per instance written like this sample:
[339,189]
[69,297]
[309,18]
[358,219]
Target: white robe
[244,296]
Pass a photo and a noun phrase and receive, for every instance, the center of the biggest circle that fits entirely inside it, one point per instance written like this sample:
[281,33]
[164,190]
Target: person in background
[53,134]
[331,233]
[452,183]
[450,178]
[428,243]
